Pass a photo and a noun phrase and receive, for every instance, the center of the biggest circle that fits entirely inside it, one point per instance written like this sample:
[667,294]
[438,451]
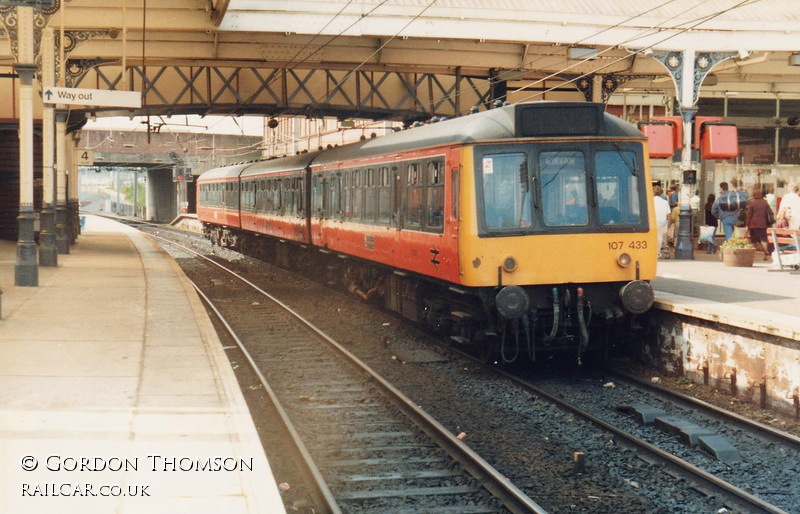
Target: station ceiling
[539,48]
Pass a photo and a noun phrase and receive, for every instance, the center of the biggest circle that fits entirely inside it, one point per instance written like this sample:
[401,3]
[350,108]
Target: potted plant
[740,229]
[738,251]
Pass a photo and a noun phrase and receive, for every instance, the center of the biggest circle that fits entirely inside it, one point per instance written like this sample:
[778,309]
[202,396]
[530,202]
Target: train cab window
[506,191]
[435,195]
[563,177]
[385,179]
[618,184]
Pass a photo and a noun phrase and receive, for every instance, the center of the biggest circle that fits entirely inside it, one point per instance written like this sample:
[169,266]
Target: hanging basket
[738,257]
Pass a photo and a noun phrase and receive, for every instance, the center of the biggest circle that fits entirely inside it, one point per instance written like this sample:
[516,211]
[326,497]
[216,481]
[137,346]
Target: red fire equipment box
[718,141]
[677,129]
[659,138]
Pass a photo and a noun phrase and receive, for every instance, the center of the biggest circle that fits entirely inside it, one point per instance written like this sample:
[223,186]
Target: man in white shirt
[662,215]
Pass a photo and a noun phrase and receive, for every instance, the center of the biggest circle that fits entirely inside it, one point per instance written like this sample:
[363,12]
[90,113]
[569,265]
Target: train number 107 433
[634,245]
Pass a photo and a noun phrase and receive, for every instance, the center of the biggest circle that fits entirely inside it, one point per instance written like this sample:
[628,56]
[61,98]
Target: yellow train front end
[559,234]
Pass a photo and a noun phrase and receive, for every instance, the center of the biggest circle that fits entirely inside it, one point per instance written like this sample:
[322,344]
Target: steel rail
[765,430]
[703,476]
[322,493]
[487,476]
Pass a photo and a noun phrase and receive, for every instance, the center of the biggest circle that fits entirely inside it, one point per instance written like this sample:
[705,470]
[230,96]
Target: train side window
[435,195]
[326,200]
[301,195]
[316,196]
[347,195]
[385,180]
[414,196]
[337,203]
[370,195]
[358,195]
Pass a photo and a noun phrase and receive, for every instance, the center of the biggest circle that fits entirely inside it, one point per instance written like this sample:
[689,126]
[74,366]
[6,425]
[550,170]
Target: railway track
[370,448]
[613,406]
[674,469]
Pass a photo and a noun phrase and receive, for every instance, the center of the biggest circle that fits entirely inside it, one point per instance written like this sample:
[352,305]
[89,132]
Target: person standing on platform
[711,221]
[694,203]
[757,223]
[662,214]
[726,209]
[672,196]
[790,206]
[770,198]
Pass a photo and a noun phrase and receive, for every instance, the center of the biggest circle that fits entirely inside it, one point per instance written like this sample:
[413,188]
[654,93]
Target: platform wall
[705,351]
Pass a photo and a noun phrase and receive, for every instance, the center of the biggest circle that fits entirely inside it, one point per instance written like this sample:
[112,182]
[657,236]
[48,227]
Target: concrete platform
[115,393]
[729,327]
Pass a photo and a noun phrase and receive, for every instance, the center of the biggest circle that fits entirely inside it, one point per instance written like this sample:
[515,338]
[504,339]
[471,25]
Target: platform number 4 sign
[84,157]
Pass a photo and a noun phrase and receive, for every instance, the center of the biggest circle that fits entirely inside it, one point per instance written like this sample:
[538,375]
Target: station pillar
[48,254]
[62,242]
[26,267]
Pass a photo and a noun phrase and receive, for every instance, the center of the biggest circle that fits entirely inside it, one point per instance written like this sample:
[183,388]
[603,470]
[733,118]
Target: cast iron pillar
[62,242]
[48,254]
[26,268]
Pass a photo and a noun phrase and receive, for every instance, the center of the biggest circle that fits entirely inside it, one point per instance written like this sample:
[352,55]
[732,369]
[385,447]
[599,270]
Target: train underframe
[502,324]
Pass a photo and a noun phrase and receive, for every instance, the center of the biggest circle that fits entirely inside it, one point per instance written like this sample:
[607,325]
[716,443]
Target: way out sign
[98,97]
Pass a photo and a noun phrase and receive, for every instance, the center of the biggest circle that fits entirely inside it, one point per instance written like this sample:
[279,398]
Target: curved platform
[115,392]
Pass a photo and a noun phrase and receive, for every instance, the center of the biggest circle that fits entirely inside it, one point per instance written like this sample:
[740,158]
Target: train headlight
[637,296]
[624,260]
[509,264]
[512,302]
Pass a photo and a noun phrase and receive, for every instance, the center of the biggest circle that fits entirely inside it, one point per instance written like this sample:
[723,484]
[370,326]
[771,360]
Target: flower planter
[740,257]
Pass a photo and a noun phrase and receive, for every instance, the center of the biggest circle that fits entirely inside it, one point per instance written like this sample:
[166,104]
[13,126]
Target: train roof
[291,163]
[232,171]
[525,120]
[531,120]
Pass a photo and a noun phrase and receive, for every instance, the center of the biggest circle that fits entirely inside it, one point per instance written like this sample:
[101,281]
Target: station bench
[787,248]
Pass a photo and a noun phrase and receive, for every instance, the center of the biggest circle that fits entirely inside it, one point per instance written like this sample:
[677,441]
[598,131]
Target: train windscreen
[529,188]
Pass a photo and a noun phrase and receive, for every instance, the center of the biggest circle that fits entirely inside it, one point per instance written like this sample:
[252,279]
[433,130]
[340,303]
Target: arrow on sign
[48,94]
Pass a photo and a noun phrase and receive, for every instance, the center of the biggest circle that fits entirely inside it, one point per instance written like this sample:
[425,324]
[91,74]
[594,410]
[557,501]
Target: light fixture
[743,54]
[794,59]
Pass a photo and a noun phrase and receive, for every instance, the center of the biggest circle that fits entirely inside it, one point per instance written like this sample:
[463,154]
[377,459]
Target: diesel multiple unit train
[519,230]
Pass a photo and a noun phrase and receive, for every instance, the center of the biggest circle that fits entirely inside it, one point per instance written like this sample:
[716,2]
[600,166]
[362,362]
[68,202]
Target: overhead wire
[702,20]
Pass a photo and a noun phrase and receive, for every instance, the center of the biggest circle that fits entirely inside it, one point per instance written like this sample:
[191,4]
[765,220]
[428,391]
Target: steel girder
[281,91]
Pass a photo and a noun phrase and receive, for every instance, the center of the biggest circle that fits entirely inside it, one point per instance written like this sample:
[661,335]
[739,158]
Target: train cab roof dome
[534,120]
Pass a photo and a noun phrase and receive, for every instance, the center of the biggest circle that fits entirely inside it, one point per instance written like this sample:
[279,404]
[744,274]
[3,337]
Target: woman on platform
[757,224]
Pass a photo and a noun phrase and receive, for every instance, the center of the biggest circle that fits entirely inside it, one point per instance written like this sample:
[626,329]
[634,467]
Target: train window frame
[499,219]
[414,192]
[590,149]
[434,192]
[384,185]
[630,209]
